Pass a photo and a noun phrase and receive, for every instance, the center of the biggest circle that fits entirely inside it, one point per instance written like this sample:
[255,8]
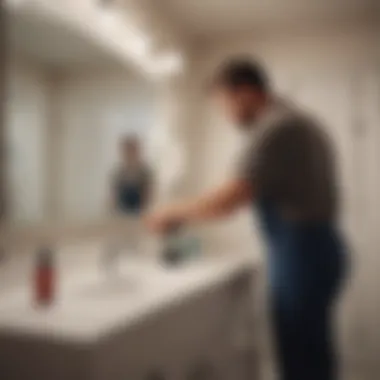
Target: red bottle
[44,278]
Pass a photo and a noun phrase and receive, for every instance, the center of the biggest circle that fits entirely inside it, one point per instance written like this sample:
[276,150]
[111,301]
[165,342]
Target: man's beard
[246,122]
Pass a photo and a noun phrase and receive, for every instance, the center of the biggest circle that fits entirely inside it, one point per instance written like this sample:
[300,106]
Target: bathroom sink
[112,288]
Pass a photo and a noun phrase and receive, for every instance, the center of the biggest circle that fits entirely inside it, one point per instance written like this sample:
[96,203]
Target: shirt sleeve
[272,157]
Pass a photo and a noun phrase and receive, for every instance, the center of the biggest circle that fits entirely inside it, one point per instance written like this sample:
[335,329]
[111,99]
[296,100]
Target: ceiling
[213,18]
[193,20]
[46,40]
[49,43]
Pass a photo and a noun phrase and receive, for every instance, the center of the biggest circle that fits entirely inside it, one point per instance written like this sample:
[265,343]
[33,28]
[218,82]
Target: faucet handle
[110,256]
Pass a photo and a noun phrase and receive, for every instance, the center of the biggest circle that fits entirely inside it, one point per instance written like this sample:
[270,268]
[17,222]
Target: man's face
[240,105]
[130,152]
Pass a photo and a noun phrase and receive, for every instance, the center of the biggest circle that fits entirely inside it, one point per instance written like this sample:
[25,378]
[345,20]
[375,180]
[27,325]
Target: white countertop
[93,305]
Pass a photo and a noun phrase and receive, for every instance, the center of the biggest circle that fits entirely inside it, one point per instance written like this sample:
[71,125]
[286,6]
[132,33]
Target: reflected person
[132,180]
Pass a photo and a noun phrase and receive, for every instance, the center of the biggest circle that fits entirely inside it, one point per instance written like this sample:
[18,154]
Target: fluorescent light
[138,44]
[16,3]
[167,64]
[110,18]
[131,39]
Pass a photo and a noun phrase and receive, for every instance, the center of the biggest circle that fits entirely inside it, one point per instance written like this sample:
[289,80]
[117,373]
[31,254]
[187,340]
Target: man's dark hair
[241,72]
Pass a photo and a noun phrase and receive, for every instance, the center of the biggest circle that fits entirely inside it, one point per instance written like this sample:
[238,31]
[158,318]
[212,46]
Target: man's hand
[163,220]
[214,205]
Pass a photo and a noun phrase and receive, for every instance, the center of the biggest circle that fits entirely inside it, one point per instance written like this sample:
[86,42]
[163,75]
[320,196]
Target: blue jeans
[306,266]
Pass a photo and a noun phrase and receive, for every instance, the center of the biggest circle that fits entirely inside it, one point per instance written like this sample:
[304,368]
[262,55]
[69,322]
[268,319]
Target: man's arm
[214,205]
[220,202]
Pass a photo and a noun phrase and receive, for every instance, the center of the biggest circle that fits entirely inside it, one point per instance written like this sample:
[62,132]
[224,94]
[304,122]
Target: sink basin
[112,287]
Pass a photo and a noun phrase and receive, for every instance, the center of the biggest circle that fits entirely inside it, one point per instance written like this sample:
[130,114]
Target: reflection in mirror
[76,128]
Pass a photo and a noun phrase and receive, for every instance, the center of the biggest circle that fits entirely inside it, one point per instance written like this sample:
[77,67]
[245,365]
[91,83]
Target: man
[288,173]
[132,181]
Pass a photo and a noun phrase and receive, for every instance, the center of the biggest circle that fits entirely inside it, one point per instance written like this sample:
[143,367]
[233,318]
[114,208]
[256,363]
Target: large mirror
[78,128]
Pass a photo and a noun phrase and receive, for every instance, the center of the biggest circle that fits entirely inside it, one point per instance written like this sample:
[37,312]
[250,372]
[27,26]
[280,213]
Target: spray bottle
[44,278]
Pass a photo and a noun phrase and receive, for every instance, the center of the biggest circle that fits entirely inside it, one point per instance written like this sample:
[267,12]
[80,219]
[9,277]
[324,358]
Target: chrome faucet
[115,250]
[111,256]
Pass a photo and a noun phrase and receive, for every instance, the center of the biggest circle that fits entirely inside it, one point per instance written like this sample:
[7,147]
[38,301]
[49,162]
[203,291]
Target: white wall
[26,112]
[333,73]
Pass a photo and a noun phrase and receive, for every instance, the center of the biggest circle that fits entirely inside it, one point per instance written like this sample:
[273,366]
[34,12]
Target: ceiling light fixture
[138,44]
[15,3]
[168,64]
[130,38]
